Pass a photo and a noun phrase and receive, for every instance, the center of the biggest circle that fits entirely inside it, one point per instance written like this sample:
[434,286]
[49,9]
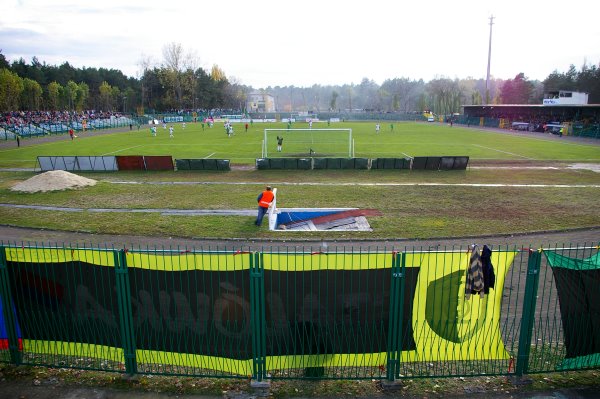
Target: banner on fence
[186,307]
[195,308]
[577,282]
[459,328]
[436,313]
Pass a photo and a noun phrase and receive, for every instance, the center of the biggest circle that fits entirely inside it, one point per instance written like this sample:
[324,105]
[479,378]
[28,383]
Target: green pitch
[406,139]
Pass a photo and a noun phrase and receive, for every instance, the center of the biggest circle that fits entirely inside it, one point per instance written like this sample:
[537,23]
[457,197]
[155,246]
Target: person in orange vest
[264,201]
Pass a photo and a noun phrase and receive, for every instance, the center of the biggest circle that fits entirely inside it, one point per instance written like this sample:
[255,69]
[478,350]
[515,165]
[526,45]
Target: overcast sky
[301,43]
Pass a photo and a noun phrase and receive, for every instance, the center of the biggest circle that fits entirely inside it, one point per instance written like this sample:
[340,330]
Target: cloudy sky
[301,43]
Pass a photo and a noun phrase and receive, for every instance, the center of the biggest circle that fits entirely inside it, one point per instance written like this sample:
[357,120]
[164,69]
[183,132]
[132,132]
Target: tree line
[178,83]
[172,84]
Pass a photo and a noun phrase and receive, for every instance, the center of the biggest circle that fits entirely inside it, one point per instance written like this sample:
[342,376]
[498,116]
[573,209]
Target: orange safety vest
[266,199]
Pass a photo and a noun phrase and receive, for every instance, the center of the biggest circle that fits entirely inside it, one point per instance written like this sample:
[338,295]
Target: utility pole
[487,79]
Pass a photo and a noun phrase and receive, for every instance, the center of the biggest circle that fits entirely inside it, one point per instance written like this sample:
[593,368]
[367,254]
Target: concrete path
[162,211]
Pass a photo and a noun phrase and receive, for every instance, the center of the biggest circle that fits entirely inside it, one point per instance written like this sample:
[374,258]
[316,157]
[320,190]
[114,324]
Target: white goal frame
[265,153]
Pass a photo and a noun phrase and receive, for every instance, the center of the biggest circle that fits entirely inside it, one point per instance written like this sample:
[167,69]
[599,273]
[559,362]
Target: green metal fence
[592,131]
[42,129]
[175,117]
[290,313]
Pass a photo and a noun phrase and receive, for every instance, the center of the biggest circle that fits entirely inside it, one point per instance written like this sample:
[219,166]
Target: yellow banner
[447,325]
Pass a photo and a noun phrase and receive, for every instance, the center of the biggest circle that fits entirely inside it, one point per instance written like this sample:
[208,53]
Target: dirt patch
[53,180]
[242,166]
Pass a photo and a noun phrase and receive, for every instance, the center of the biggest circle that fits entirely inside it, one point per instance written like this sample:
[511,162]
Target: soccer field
[407,139]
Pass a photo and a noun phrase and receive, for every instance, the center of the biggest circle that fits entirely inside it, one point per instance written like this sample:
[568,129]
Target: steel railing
[281,313]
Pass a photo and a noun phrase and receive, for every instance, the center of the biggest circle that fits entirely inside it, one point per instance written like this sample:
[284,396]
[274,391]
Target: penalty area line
[124,149]
[505,152]
[208,156]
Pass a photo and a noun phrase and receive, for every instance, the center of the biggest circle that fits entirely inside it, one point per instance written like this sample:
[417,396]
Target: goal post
[308,143]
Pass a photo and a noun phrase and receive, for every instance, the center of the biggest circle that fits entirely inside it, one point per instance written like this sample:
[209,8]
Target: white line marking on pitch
[33,145]
[537,138]
[505,152]
[208,156]
[124,149]
[371,184]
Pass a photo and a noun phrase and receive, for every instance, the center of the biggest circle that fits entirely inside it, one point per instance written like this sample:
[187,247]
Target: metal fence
[42,129]
[291,313]
[591,131]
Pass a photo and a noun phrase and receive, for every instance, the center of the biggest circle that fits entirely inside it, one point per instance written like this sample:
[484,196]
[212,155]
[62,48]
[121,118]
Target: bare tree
[144,64]
[191,61]
[445,95]
[333,102]
[173,56]
[173,60]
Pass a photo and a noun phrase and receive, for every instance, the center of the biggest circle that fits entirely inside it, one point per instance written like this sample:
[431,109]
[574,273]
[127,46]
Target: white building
[565,97]
[260,102]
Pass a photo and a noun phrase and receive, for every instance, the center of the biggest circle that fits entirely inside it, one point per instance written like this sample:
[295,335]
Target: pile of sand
[52,181]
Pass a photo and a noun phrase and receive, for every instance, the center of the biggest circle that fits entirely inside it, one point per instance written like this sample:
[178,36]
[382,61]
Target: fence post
[395,327]
[257,318]
[10,318]
[528,315]
[125,312]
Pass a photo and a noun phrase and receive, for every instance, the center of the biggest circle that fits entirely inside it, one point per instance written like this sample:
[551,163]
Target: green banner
[577,282]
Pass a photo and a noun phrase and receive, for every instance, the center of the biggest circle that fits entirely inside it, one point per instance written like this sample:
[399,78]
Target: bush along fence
[281,313]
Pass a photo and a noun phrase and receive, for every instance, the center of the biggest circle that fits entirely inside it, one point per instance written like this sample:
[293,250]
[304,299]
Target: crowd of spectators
[25,118]
[15,119]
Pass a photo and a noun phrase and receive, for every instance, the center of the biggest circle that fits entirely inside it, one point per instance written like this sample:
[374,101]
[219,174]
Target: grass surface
[409,210]
[418,204]
[407,139]
[409,207]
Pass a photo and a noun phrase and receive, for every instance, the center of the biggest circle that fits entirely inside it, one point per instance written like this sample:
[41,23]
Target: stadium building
[563,108]
[260,102]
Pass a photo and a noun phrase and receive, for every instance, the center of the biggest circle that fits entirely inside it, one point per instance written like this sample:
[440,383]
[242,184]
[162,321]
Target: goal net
[308,143]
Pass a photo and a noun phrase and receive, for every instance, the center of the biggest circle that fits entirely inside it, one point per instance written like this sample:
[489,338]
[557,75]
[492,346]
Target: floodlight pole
[487,79]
